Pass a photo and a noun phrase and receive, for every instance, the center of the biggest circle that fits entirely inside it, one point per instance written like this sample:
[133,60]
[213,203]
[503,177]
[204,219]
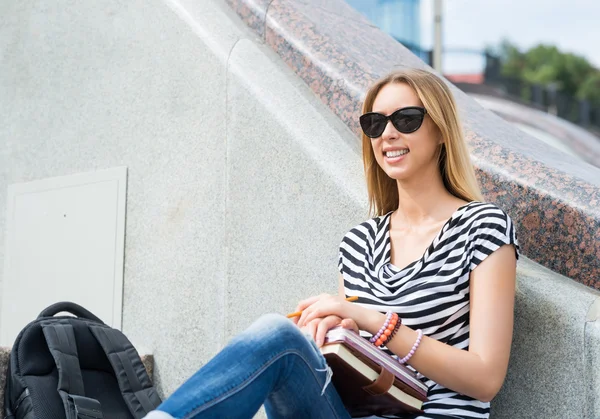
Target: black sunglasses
[405,120]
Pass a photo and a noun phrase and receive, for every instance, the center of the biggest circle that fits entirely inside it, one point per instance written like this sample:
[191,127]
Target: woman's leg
[270,363]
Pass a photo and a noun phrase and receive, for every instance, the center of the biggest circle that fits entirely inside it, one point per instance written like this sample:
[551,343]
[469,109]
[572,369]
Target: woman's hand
[324,305]
[317,328]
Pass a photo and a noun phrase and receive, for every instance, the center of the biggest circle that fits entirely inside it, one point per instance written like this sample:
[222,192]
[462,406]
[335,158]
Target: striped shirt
[431,293]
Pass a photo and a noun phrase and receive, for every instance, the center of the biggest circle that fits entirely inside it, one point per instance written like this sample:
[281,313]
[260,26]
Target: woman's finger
[311,328]
[308,301]
[350,324]
[307,315]
[301,307]
[324,326]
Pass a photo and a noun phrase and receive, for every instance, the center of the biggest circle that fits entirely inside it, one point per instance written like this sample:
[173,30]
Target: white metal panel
[65,242]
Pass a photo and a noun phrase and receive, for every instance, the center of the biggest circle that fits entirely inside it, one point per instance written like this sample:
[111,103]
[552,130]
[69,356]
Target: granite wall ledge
[554,199]
[252,12]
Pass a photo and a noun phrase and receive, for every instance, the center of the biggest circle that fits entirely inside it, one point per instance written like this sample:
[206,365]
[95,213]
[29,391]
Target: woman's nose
[390,132]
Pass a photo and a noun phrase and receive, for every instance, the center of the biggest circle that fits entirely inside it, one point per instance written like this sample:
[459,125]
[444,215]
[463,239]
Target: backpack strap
[136,387]
[61,342]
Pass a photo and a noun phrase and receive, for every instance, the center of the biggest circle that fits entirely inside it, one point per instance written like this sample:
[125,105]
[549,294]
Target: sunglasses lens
[407,120]
[373,124]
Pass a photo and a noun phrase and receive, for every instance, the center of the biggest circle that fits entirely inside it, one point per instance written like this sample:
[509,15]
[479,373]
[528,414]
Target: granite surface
[142,86]
[4,354]
[267,269]
[554,357]
[591,376]
[553,198]
[575,140]
[148,361]
[253,12]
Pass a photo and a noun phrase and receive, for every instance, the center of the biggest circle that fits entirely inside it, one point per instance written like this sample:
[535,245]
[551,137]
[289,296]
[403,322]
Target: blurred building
[399,18]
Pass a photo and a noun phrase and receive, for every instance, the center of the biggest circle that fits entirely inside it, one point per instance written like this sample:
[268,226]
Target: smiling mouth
[396,153]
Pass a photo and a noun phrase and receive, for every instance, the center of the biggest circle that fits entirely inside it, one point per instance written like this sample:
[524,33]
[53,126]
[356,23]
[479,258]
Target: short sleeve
[350,252]
[355,255]
[341,259]
[491,229]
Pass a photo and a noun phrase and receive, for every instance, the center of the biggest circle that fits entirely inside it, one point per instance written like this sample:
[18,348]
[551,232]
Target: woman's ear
[440,136]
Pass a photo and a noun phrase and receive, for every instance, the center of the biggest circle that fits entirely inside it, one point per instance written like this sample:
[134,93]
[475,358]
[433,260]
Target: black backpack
[75,368]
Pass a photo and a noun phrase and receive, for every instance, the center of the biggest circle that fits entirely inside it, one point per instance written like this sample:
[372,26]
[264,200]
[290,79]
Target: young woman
[435,266]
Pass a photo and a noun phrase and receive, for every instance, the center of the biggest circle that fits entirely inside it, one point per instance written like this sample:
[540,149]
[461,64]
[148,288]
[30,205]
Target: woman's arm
[341,288]
[478,372]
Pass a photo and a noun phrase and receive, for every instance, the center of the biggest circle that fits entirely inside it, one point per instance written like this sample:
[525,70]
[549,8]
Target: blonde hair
[454,160]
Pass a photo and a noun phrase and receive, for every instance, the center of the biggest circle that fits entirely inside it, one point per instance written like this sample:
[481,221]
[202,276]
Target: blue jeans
[271,363]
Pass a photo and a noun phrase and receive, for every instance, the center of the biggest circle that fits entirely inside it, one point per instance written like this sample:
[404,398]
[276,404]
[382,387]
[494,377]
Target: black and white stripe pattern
[431,293]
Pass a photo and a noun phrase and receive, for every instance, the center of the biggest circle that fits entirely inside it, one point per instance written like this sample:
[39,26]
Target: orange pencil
[299,313]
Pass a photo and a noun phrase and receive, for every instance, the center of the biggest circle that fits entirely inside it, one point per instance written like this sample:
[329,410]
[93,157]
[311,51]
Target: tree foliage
[546,65]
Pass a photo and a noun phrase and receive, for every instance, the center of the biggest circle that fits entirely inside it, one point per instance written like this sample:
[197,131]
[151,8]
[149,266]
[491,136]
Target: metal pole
[437,36]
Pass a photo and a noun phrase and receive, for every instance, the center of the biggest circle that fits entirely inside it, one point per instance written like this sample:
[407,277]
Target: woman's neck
[425,200]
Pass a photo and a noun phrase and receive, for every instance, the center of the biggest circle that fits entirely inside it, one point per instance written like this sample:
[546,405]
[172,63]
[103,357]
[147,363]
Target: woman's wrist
[369,320]
[404,341]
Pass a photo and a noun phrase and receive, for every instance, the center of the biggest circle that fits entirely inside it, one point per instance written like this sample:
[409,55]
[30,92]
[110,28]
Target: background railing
[548,97]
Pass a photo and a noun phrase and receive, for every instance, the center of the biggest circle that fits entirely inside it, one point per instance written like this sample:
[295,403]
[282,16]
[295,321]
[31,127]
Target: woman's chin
[396,174]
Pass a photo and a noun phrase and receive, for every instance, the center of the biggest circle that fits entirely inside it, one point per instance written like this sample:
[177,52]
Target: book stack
[368,380]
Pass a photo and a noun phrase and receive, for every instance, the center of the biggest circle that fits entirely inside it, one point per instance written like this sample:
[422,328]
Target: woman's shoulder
[488,225]
[477,212]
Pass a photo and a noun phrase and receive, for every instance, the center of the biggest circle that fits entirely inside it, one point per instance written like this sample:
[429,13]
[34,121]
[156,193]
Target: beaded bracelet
[388,319]
[388,330]
[414,348]
[391,331]
[376,336]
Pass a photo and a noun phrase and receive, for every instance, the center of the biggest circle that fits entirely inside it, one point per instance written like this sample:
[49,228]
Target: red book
[368,380]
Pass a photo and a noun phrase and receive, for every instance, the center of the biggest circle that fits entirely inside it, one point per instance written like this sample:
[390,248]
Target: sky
[571,25]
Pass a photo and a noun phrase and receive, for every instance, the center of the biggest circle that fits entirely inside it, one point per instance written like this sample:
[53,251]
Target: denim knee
[277,327]
[273,323]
